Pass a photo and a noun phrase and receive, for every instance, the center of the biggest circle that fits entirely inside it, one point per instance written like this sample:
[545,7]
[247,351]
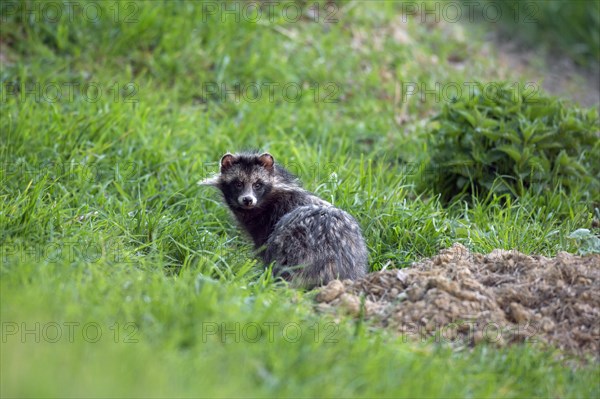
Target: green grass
[101,220]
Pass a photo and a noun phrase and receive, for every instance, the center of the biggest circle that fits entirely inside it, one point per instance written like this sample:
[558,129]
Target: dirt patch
[466,298]
[556,74]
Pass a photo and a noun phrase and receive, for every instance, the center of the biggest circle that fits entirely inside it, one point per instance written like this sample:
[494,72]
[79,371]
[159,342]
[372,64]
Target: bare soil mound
[466,298]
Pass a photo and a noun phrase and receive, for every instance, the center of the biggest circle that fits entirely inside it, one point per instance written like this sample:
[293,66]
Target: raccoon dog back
[309,241]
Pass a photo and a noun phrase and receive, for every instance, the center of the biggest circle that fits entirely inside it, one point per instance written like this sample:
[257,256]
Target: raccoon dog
[308,240]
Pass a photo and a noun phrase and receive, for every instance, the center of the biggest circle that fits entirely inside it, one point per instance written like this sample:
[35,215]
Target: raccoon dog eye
[238,184]
[257,185]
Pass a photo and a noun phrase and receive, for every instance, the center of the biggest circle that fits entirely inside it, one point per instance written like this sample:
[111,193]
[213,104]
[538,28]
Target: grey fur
[309,241]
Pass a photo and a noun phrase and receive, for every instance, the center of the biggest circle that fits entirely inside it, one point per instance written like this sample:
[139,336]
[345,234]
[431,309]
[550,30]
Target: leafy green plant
[507,140]
[588,243]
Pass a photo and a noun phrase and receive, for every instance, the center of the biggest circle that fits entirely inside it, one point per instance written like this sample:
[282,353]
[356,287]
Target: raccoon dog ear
[227,161]
[266,160]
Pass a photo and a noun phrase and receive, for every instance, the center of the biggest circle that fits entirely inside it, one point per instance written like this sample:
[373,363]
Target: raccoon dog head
[245,179]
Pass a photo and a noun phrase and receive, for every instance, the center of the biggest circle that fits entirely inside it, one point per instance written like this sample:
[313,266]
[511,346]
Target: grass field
[121,277]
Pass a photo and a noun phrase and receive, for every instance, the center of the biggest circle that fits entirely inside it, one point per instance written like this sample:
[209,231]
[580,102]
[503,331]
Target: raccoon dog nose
[248,200]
